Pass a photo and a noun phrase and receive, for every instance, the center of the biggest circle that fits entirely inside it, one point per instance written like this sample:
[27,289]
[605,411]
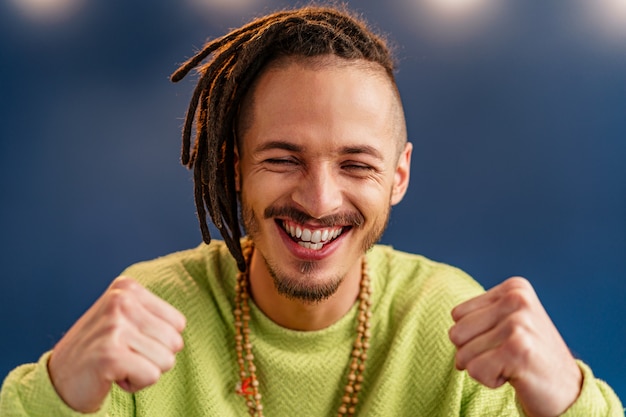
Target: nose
[319,193]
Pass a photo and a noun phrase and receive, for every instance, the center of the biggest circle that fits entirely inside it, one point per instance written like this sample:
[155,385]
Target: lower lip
[303,253]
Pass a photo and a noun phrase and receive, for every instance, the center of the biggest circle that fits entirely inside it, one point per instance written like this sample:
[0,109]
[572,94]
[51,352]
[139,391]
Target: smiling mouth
[314,239]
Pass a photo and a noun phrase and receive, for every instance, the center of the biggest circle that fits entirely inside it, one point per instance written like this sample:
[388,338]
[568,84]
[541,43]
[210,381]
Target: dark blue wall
[519,168]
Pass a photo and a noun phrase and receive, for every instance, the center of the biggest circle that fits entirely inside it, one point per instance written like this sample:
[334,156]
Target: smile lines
[311,239]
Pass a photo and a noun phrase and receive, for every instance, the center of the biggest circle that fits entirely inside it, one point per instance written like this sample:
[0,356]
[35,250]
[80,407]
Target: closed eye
[358,167]
[280,161]
[281,165]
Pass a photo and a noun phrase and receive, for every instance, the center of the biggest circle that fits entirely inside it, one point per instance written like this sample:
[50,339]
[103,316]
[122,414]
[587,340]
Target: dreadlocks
[236,60]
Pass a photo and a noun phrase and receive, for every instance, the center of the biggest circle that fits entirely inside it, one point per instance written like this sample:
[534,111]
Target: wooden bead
[242,317]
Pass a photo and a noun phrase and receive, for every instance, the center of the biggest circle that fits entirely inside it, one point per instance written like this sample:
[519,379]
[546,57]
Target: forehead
[329,97]
[321,69]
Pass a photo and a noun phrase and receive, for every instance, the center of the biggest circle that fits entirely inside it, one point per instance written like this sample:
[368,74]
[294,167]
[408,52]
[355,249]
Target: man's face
[319,166]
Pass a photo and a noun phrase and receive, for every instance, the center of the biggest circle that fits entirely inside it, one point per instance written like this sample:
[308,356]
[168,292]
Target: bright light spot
[47,10]
[609,16]
[456,8]
[225,7]
[446,19]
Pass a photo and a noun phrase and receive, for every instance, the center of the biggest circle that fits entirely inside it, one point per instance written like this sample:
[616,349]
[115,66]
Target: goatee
[305,286]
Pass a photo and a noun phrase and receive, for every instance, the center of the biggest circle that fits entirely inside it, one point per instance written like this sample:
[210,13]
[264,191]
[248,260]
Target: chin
[304,285]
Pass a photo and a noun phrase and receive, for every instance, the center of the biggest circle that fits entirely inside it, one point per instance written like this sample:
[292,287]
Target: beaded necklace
[248,386]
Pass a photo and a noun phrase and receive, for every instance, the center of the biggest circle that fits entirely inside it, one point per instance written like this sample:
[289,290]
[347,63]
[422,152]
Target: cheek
[370,198]
[251,216]
[256,197]
[264,190]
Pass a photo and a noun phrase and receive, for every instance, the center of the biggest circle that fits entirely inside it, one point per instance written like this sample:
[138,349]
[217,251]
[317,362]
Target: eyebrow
[346,150]
[278,144]
[362,149]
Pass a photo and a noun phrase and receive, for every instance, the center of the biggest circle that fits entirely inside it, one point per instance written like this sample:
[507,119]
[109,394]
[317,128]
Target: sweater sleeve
[28,392]
[596,398]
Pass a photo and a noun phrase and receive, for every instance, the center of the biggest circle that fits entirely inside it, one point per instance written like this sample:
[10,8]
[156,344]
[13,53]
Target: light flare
[449,19]
[456,8]
[48,10]
[226,8]
[608,17]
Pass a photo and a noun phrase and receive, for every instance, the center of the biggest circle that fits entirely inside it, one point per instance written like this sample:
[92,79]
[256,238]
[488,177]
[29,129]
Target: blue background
[517,113]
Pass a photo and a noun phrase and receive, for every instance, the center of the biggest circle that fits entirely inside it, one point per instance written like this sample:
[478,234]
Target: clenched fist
[129,337]
[505,335]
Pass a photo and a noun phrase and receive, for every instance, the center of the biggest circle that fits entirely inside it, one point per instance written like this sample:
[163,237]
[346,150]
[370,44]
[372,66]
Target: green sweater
[410,367]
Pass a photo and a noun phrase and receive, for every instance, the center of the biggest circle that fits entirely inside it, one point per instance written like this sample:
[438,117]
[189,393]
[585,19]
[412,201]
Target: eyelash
[347,166]
[358,167]
[277,161]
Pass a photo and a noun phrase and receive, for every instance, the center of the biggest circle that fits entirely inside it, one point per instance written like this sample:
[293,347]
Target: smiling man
[320,161]
[301,137]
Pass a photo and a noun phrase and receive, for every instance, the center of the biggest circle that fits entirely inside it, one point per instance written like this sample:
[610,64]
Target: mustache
[353,219]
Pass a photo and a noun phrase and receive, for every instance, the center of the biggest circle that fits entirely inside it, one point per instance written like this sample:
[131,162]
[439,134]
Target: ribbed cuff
[596,398]
[36,396]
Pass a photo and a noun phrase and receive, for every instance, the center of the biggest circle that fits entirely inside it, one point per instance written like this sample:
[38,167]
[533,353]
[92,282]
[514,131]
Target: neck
[298,314]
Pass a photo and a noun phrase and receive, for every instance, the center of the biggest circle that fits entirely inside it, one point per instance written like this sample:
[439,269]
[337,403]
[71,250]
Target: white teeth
[312,239]
[309,245]
[316,237]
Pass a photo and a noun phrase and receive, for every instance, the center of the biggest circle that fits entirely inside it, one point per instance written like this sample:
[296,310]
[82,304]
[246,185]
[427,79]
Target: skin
[320,148]
[506,335]
[129,337]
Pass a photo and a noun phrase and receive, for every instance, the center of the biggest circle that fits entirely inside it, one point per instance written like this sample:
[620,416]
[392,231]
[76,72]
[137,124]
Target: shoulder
[185,272]
[199,260]
[405,280]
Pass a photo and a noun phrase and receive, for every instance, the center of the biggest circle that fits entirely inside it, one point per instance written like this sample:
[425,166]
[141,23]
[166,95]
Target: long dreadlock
[236,60]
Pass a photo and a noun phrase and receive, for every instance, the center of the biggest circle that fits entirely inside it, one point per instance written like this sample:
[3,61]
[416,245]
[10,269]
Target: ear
[402,174]
[237,174]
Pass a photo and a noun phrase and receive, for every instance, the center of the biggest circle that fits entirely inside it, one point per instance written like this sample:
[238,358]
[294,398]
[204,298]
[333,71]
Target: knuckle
[118,301]
[518,283]
[113,333]
[168,362]
[522,323]
[515,327]
[519,298]
[152,375]
[177,343]
[475,371]
[482,374]
[123,282]
[460,360]
[516,299]
[453,335]
[113,337]
[518,346]
[108,363]
[182,322]
[149,375]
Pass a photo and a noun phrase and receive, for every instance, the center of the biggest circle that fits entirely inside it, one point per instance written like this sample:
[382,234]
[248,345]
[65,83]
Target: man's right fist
[129,337]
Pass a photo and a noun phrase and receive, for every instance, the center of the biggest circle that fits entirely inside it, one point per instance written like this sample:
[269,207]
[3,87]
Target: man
[301,135]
